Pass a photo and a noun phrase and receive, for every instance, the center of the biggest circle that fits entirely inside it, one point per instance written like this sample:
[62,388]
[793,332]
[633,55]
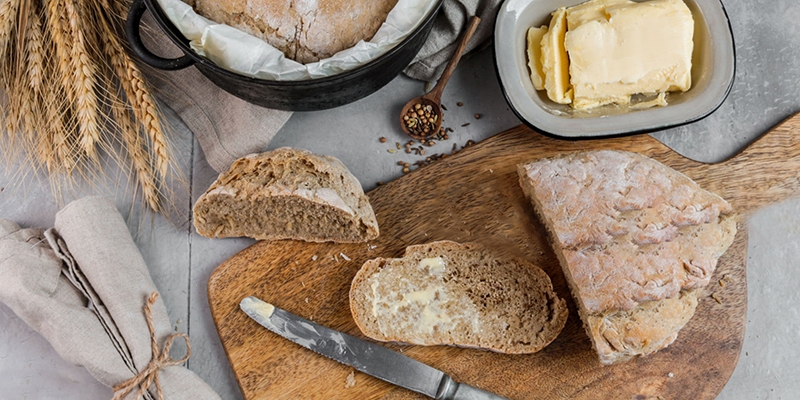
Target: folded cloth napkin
[431,60]
[86,289]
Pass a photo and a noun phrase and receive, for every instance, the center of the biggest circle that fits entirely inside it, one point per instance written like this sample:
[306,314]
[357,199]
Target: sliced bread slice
[446,293]
[286,194]
[636,239]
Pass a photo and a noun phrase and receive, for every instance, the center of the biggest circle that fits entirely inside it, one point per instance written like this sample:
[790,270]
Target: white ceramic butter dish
[713,69]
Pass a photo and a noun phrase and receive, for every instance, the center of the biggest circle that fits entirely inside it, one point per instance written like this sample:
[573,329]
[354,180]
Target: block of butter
[618,48]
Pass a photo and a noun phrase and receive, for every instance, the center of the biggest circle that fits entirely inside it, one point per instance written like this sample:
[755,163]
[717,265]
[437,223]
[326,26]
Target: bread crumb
[671,375]
[314,257]
[351,380]
[303,283]
[346,258]
[306,300]
[715,297]
[371,247]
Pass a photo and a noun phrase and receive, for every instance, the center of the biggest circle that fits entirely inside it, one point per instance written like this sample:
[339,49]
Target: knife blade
[367,357]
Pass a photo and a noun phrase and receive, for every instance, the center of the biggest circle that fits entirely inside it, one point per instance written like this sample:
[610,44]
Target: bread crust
[537,325]
[304,30]
[633,237]
[287,177]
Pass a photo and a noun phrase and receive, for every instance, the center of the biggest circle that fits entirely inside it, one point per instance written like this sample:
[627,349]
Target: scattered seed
[382,139]
[467,124]
[392,151]
[405,170]
[380,183]
[715,297]
[443,107]
[406,165]
[459,104]
[477,116]
[422,152]
[345,256]
[408,150]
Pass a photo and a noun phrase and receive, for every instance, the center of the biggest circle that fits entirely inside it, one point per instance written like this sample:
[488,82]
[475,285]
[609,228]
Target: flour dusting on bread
[636,239]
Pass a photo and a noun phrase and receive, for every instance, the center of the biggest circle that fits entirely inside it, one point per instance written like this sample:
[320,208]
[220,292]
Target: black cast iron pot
[308,95]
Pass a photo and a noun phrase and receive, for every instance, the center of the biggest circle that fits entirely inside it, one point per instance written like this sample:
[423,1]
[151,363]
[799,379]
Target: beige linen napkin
[451,21]
[82,286]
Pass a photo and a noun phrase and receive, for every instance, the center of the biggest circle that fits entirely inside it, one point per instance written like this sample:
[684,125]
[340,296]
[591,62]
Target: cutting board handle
[767,171]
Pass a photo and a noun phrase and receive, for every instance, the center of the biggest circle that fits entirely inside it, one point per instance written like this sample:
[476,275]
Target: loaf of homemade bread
[286,194]
[636,239]
[457,294]
[304,30]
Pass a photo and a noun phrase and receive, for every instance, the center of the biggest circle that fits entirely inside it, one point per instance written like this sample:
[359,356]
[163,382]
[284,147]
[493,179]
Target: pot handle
[132,25]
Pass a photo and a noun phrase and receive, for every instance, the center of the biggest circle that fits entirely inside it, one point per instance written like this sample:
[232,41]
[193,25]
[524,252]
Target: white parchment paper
[248,55]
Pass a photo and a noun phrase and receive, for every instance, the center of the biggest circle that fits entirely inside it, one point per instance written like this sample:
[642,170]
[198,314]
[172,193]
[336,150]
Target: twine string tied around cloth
[161,359]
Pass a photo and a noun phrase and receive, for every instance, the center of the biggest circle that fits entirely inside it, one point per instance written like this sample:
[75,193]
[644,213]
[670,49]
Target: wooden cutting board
[474,197]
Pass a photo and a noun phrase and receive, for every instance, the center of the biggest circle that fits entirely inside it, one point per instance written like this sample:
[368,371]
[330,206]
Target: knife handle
[452,390]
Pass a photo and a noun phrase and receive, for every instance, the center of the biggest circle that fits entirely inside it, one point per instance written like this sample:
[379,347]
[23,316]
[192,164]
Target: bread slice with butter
[446,293]
[637,240]
[287,194]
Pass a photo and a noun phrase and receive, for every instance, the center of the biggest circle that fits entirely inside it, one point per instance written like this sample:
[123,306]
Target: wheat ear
[84,82]
[138,155]
[59,96]
[144,105]
[8,14]
[43,142]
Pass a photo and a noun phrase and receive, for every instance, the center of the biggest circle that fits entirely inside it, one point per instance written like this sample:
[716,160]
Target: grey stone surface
[766,90]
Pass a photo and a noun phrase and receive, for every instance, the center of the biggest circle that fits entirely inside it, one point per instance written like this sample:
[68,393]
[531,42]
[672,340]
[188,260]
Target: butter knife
[362,355]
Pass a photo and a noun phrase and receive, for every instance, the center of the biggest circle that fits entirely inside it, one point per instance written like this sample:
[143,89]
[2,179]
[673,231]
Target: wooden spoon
[434,97]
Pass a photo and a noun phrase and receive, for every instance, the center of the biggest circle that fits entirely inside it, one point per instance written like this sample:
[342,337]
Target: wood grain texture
[474,196]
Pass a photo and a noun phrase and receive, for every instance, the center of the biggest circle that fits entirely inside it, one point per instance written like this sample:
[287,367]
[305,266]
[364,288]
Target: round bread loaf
[304,30]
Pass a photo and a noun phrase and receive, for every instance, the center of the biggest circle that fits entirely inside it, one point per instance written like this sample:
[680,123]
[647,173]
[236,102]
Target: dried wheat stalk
[71,94]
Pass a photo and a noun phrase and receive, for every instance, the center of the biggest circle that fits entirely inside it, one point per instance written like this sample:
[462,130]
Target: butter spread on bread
[446,293]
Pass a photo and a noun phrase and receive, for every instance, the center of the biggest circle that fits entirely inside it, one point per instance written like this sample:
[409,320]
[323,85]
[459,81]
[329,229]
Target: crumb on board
[344,256]
[306,300]
[303,283]
[350,381]
[314,257]
[715,297]
[671,375]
